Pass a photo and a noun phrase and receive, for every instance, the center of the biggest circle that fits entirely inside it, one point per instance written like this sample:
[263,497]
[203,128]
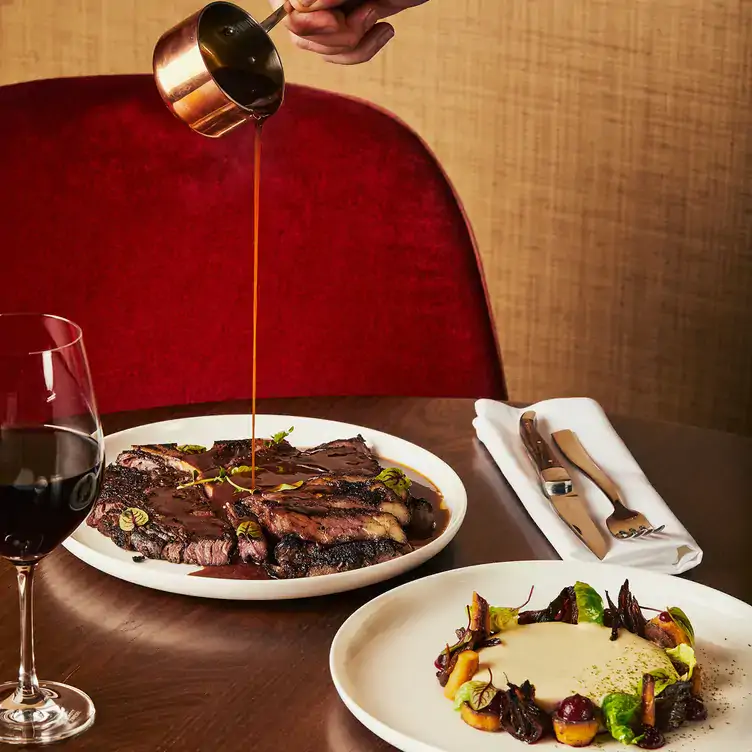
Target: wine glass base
[64,712]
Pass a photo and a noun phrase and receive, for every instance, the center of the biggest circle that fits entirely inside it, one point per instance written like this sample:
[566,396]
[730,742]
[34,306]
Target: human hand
[345,37]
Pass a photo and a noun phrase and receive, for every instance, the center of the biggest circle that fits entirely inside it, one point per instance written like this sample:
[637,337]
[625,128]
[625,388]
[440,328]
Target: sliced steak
[253,549]
[341,457]
[173,455]
[121,487]
[182,526]
[319,503]
[333,516]
[228,453]
[234,452]
[252,542]
[323,526]
[296,558]
[209,552]
[159,470]
[364,492]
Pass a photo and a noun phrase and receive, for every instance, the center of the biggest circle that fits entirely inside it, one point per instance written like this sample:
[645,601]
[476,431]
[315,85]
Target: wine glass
[51,465]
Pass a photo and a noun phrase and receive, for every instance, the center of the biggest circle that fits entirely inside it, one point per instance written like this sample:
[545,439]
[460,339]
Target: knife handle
[554,478]
[572,449]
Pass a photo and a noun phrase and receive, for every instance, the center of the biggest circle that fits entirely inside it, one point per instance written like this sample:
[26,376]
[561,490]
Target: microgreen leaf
[477,694]
[394,478]
[131,518]
[288,486]
[278,438]
[465,692]
[241,469]
[482,698]
[250,529]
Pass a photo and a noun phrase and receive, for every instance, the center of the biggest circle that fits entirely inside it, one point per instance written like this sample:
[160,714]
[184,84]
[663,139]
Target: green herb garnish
[288,486]
[241,469]
[250,529]
[278,438]
[394,478]
[132,518]
[477,694]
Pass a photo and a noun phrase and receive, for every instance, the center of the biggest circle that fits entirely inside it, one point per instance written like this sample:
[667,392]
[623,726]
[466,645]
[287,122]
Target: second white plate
[381,659]
[95,549]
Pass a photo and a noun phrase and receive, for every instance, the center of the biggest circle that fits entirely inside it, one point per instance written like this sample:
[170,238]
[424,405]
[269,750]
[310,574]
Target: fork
[624,522]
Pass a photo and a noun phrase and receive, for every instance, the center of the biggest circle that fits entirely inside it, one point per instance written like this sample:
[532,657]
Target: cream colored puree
[565,659]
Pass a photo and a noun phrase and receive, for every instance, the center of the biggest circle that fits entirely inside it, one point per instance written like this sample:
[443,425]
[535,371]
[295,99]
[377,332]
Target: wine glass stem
[28,692]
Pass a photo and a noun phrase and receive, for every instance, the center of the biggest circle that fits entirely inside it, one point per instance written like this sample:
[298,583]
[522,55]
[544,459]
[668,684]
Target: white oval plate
[100,552]
[381,659]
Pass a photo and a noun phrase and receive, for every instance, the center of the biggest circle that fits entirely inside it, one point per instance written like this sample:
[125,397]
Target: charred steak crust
[341,518]
[331,494]
[297,558]
[182,527]
[325,526]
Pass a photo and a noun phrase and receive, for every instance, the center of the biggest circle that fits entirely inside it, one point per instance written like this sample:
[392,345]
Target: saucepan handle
[274,18]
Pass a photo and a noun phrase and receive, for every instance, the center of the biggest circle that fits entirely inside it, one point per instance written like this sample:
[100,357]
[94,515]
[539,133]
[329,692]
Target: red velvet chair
[117,216]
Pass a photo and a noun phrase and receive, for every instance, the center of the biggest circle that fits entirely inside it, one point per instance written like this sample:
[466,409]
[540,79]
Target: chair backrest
[117,216]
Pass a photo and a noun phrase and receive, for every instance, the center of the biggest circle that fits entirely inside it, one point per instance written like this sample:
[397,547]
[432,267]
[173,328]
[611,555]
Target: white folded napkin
[672,551]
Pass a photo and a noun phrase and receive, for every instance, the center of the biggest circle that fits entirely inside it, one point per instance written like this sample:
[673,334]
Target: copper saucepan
[219,68]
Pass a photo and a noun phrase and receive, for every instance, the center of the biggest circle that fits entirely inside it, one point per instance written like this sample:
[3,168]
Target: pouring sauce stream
[256,193]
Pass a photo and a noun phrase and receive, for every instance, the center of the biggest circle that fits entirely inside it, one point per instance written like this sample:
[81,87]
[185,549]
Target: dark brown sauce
[256,199]
[222,454]
[223,494]
[203,462]
[233,572]
[419,490]
[290,470]
[175,507]
[246,87]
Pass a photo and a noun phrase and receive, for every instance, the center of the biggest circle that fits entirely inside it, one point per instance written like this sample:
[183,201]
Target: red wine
[49,479]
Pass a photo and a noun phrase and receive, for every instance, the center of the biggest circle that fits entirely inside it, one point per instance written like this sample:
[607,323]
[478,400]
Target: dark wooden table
[168,672]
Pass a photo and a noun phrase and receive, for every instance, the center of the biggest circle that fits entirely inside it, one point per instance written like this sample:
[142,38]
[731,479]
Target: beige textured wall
[603,153]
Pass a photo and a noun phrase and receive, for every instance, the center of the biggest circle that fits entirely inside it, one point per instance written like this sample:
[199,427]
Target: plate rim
[279,589]
[356,620]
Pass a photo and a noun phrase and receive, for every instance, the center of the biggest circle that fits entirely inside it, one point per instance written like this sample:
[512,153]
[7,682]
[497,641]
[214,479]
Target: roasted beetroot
[574,722]
[577,708]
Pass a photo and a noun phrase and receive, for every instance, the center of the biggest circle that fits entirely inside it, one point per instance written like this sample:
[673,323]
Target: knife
[556,484]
